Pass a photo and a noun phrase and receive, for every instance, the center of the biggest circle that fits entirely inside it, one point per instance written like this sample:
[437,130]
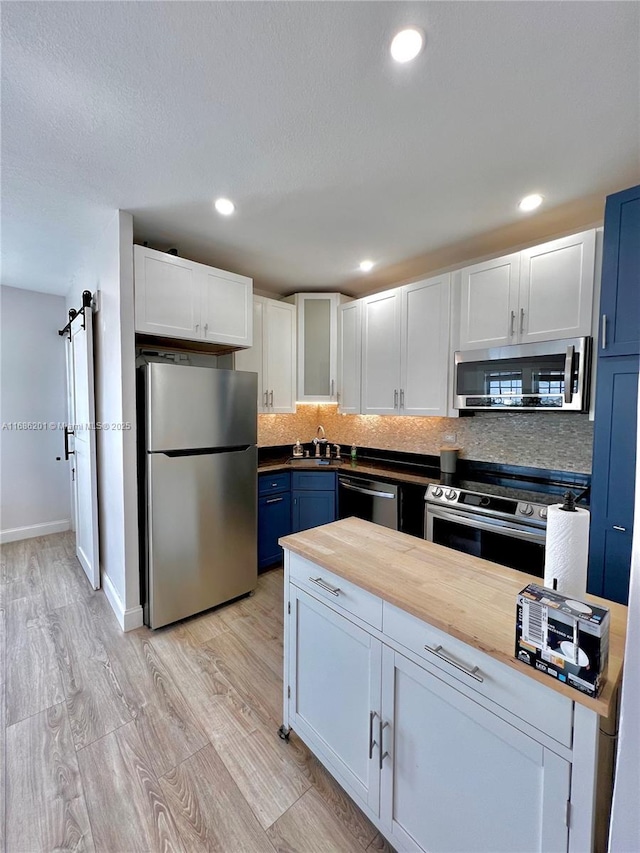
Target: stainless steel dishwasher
[368,499]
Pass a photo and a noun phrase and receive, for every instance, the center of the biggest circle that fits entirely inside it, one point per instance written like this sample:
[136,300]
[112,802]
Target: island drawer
[543,708]
[337,590]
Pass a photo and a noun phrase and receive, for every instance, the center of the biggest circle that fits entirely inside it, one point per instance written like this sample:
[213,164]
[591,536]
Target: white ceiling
[331,152]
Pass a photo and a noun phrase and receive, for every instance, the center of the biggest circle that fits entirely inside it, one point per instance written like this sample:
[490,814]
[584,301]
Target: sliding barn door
[83,434]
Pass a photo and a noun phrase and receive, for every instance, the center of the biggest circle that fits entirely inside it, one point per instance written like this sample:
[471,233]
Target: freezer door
[201,519]
[199,407]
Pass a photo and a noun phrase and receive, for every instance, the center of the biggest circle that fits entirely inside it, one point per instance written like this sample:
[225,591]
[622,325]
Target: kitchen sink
[312,461]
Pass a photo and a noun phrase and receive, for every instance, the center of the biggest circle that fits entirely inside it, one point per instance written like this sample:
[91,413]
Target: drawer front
[320,481]
[269,483]
[541,707]
[337,590]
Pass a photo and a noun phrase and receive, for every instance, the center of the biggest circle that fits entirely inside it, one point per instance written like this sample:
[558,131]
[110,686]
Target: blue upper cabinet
[613,480]
[615,428]
[620,297]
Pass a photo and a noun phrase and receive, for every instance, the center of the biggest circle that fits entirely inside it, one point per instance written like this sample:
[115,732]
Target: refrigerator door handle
[202,451]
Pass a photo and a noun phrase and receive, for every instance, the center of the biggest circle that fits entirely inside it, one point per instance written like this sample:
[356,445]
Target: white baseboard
[127,619]
[14,534]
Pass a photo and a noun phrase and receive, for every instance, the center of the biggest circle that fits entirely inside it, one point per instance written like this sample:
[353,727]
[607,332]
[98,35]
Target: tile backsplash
[562,441]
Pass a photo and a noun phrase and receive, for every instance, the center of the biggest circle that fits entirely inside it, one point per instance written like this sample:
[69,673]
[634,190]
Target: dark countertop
[360,468]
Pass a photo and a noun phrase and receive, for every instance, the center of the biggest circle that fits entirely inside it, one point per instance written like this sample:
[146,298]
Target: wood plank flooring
[151,741]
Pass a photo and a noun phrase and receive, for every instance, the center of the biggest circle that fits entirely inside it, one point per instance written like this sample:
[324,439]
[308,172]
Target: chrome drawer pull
[621,529]
[384,754]
[471,672]
[274,500]
[372,742]
[334,590]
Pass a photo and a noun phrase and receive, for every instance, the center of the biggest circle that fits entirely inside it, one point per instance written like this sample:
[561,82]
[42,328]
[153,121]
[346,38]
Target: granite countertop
[466,597]
[345,466]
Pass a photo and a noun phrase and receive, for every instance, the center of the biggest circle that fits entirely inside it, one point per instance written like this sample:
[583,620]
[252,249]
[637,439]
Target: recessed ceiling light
[530,202]
[224,206]
[366,266]
[407,44]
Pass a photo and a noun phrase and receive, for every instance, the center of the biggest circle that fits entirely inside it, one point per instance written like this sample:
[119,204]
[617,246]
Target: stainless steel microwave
[549,376]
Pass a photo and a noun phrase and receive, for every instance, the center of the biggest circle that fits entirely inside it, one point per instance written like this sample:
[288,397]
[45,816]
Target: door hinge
[567,817]
[288,692]
[288,607]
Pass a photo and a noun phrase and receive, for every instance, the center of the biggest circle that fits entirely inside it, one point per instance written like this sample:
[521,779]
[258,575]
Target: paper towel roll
[567,551]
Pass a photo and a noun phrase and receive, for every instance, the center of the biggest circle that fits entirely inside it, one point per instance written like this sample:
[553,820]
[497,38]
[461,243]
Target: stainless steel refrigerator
[199,504]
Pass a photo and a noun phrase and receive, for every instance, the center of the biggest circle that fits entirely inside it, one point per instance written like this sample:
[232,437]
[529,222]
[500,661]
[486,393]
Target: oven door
[518,546]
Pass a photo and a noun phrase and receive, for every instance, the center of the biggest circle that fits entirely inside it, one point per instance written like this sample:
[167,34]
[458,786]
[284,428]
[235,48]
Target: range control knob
[437,492]
[450,495]
[543,512]
[526,509]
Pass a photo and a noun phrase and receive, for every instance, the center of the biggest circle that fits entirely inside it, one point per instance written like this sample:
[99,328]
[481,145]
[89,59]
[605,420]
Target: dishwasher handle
[346,485]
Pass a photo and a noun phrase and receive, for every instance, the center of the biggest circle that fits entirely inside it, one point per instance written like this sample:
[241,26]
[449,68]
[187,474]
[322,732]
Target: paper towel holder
[569,504]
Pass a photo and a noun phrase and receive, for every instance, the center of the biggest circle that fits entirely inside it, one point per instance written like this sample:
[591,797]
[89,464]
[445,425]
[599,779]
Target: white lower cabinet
[334,681]
[456,777]
[433,761]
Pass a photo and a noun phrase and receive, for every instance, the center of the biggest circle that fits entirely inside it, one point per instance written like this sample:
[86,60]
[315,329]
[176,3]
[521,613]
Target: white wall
[108,274]
[34,485]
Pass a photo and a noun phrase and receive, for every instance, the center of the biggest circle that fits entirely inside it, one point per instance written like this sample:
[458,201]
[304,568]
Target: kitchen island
[400,676]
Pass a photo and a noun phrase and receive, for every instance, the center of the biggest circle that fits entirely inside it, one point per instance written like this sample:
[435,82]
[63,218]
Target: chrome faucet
[323,436]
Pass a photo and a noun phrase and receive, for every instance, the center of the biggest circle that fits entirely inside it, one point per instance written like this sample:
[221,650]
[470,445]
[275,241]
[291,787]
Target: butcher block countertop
[466,597]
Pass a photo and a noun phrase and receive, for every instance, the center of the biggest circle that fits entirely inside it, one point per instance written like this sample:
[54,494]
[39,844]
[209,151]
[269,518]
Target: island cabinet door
[334,702]
[456,777]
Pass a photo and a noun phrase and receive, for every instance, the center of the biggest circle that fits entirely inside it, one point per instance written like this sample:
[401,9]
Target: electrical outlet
[450,437]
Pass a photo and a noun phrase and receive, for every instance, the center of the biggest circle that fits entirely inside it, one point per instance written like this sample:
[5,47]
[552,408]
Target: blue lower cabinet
[274,521]
[274,516]
[312,508]
[314,499]
[613,479]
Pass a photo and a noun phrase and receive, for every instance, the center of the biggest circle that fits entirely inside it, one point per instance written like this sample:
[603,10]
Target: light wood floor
[151,741]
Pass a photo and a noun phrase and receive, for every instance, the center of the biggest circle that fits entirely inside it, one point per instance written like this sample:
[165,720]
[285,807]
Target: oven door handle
[473,521]
[372,492]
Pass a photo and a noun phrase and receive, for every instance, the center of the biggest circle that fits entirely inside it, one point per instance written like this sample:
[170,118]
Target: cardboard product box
[566,638]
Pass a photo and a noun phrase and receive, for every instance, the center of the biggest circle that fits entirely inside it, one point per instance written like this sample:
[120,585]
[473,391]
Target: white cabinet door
[167,294]
[458,778]
[381,353]
[349,357]
[556,289]
[226,308]
[334,677]
[280,356]
[425,352]
[489,303]
[251,359]
[317,346]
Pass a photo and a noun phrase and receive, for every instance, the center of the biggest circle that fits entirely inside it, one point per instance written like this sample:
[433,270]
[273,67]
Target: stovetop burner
[490,499]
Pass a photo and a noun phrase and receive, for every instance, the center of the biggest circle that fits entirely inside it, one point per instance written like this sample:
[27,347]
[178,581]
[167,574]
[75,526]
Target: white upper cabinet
[424,353]
[251,359]
[317,345]
[541,294]
[167,294]
[349,357]
[280,356]
[178,298]
[381,353]
[273,355]
[405,349]
[556,289]
[489,303]
[226,308]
